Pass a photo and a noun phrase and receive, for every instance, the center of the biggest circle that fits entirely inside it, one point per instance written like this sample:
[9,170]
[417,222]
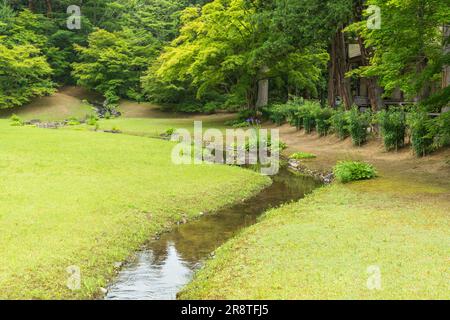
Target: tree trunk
[446,71]
[332,78]
[31,5]
[374,90]
[49,8]
[263,89]
[340,67]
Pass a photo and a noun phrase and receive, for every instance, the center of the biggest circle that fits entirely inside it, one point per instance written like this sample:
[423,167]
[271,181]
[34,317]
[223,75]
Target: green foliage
[225,48]
[393,128]
[278,114]
[302,156]
[443,130]
[113,62]
[243,124]
[347,171]
[24,70]
[422,132]
[323,120]
[16,121]
[339,124]
[169,132]
[310,110]
[91,120]
[73,121]
[358,125]
[408,48]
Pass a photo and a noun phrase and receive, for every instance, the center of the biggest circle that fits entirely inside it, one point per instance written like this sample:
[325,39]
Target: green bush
[358,125]
[339,124]
[239,125]
[423,130]
[282,113]
[256,141]
[310,109]
[442,130]
[323,120]
[73,121]
[302,156]
[393,128]
[210,107]
[16,121]
[347,171]
[278,114]
[91,120]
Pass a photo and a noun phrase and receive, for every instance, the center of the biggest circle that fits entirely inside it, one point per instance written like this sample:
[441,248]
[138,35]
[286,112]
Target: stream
[166,265]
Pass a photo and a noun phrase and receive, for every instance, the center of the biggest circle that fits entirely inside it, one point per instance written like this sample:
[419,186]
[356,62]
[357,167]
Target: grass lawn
[322,247]
[90,199]
[153,127]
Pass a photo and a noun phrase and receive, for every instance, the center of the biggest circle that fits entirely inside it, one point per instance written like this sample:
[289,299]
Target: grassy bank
[85,199]
[322,247]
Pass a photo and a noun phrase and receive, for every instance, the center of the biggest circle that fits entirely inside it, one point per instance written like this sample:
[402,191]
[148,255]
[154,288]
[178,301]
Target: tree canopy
[199,54]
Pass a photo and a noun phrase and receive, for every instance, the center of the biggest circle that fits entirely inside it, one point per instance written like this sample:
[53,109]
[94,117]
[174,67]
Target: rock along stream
[166,265]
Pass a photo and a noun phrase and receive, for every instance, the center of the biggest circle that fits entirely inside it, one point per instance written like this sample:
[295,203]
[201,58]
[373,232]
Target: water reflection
[168,264]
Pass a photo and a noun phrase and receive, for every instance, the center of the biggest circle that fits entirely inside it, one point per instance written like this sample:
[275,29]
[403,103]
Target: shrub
[107,115]
[347,171]
[278,114]
[243,124]
[442,130]
[73,121]
[323,120]
[358,125]
[281,113]
[310,110]
[339,124]
[257,141]
[91,120]
[393,128]
[302,156]
[210,107]
[169,132]
[423,131]
[16,121]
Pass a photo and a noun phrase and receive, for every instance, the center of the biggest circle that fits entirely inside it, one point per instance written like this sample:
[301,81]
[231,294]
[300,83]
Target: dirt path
[403,165]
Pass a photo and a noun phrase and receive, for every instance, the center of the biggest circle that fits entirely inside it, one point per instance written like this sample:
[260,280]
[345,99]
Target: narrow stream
[168,264]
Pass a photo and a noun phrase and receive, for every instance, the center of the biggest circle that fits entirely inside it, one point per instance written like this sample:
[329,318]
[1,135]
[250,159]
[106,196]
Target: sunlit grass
[90,199]
[322,247]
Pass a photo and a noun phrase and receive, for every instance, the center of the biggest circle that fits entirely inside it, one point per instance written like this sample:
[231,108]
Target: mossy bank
[335,243]
[88,200]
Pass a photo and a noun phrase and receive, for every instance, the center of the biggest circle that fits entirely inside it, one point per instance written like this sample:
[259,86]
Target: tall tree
[408,48]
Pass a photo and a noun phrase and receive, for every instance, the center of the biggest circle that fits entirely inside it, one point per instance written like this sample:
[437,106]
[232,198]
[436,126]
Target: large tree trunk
[263,89]
[374,89]
[31,5]
[332,78]
[446,71]
[339,84]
